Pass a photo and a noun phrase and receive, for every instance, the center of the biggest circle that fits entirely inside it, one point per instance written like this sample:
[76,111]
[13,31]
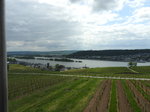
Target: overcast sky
[49,25]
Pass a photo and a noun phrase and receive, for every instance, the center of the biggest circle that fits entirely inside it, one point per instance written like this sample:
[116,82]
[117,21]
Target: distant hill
[40,53]
[108,53]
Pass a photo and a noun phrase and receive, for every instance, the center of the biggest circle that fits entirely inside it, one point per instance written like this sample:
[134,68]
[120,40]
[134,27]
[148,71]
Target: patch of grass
[130,97]
[113,100]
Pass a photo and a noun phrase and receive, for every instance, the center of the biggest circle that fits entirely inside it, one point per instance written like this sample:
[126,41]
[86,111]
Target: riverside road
[98,77]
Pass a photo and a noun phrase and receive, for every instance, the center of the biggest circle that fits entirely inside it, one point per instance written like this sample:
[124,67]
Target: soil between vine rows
[100,101]
[143,103]
[123,104]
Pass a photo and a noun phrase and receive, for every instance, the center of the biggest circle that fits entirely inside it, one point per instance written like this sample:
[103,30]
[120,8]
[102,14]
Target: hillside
[40,53]
[138,55]
[31,90]
[108,52]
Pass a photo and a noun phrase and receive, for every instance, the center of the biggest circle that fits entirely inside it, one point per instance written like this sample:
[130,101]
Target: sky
[54,25]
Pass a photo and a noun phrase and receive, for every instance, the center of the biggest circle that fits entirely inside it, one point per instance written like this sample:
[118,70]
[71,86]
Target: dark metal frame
[3,60]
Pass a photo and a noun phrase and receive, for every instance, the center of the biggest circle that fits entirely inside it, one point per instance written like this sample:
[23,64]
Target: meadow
[49,93]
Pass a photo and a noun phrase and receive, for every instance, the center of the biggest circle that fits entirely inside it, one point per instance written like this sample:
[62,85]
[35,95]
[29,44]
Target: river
[85,62]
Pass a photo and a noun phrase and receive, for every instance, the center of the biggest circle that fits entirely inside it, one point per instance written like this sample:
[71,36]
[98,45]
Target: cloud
[68,24]
[74,1]
[117,36]
[139,16]
[136,3]
[36,22]
[100,5]
[109,5]
[142,14]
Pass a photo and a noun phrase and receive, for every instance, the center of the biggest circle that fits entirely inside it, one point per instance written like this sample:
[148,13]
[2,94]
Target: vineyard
[120,96]
[20,85]
[142,72]
[45,93]
[142,69]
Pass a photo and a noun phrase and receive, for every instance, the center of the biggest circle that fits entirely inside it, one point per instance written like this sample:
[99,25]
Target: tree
[50,68]
[47,65]
[59,67]
[131,64]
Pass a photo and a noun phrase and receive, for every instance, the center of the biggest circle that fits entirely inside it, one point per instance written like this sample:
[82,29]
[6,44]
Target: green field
[43,93]
[23,69]
[57,97]
[145,70]
[37,91]
[16,68]
[108,71]
[20,85]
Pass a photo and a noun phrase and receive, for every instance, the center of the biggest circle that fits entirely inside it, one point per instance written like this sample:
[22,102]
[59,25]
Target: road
[98,77]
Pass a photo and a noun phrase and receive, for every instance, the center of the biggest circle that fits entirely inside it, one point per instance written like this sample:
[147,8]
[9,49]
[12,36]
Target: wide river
[85,62]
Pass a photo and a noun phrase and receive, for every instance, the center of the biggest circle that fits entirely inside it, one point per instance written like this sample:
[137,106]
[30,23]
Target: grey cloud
[32,21]
[37,26]
[102,5]
[74,1]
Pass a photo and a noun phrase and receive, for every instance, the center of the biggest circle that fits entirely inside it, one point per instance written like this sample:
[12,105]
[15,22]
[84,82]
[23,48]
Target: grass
[113,100]
[130,97]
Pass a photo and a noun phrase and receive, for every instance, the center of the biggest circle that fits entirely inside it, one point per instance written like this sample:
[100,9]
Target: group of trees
[132,64]
[11,60]
[56,68]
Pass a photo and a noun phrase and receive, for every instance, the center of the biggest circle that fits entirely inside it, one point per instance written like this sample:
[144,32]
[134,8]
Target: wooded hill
[109,52]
